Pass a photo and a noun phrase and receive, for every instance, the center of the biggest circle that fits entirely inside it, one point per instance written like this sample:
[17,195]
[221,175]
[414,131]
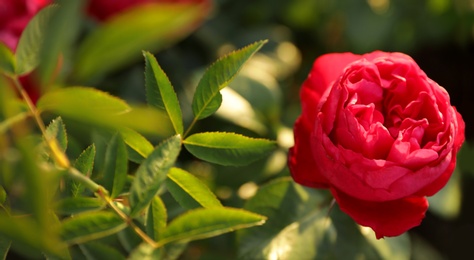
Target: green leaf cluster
[109,199]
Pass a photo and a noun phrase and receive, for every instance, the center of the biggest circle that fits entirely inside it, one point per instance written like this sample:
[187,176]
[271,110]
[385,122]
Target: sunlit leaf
[145,27]
[301,226]
[207,97]
[75,205]
[152,173]
[91,225]
[31,40]
[7,60]
[136,142]
[57,130]
[156,218]
[160,92]
[95,250]
[189,191]
[208,222]
[79,101]
[227,148]
[116,166]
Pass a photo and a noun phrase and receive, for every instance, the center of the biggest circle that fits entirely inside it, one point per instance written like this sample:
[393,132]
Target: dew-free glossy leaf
[29,46]
[95,250]
[90,225]
[227,148]
[207,97]
[152,173]
[209,222]
[7,60]
[189,191]
[160,92]
[156,218]
[116,166]
[121,39]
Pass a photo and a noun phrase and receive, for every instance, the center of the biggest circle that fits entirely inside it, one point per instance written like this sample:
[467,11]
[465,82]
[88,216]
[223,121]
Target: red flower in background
[104,9]
[379,134]
[14,16]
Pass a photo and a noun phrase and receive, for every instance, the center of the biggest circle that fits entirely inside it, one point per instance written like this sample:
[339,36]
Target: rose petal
[388,218]
[301,161]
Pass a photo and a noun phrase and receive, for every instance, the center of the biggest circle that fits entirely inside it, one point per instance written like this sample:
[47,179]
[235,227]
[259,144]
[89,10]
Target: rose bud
[377,132]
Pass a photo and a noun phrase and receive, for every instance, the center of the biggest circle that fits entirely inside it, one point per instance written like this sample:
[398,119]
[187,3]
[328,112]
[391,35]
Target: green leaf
[189,191]
[160,92]
[94,250]
[4,247]
[227,148]
[85,165]
[152,173]
[207,97]
[29,46]
[62,28]
[136,141]
[90,225]
[75,205]
[56,129]
[146,251]
[208,222]
[79,101]
[25,233]
[301,226]
[129,239]
[99,108]
[7,60]
[156,218]
[121,40]
[116,166]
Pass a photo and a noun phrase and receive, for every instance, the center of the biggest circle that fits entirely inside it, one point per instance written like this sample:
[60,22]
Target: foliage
[122,158]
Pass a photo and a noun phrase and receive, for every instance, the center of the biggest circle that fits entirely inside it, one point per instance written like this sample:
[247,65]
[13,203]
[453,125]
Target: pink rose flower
[379,134]
[14,16]
[104,9]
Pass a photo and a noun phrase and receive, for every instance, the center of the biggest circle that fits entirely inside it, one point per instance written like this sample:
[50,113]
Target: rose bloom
[377,132]
[104,9]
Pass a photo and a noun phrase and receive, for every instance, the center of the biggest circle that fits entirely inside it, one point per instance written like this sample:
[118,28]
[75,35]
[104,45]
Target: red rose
[14,16]
[104,9]
[379,134]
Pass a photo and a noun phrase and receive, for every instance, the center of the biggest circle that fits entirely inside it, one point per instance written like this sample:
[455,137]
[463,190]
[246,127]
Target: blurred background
[264,100]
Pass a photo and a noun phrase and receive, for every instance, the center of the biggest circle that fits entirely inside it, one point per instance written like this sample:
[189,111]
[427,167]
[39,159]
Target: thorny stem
[62,160]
